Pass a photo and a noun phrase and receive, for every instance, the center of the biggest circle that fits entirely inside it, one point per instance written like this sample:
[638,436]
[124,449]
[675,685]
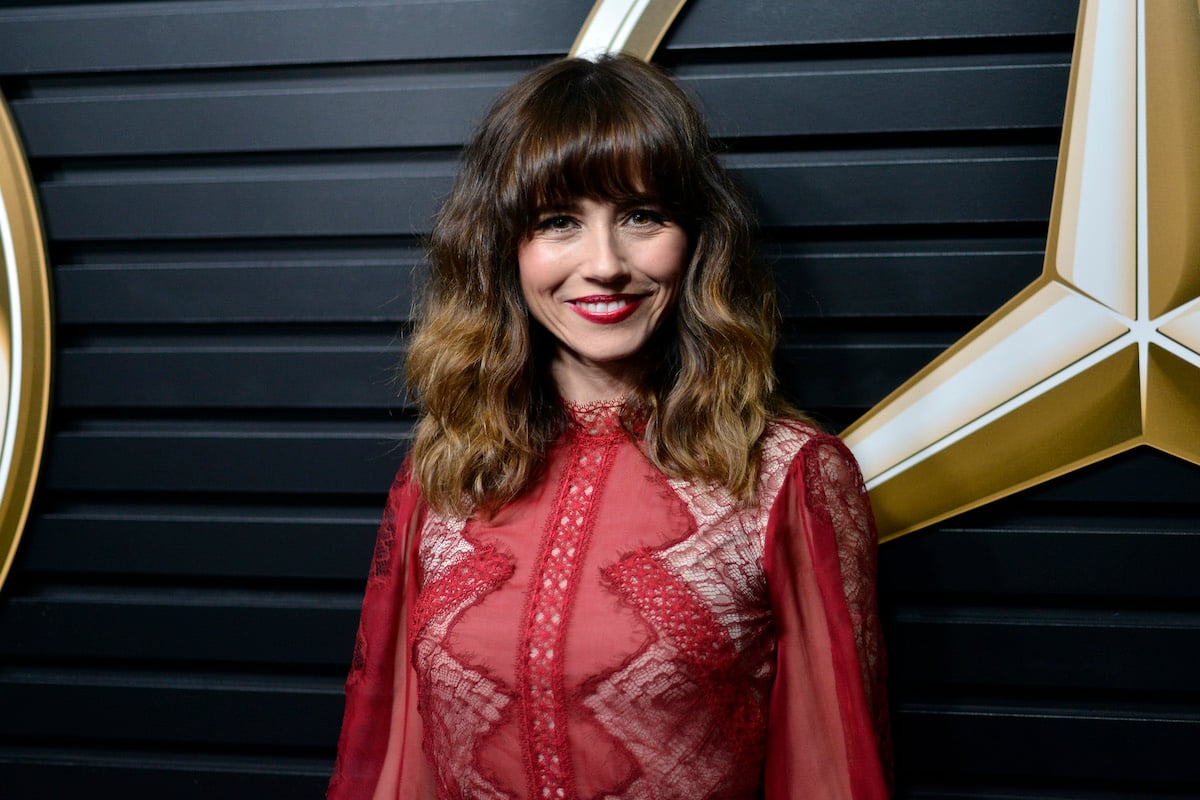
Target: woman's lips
[606,309]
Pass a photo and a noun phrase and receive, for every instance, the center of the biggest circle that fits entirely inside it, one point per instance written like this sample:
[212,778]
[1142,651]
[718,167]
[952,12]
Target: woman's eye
[644,216]
[556,223]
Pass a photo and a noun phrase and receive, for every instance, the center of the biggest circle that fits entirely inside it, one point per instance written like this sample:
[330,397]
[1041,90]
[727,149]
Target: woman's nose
[605,261]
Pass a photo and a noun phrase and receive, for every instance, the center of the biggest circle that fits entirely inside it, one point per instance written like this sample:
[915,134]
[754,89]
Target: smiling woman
[25,346]
[617,563]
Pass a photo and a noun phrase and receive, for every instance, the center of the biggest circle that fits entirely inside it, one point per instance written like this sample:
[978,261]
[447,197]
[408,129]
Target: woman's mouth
[606,309]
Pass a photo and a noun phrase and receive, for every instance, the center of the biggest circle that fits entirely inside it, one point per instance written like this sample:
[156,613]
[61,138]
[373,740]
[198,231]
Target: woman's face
[601,278]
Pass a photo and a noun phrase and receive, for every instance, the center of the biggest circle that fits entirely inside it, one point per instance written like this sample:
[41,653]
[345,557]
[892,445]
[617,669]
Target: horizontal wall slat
[811,374]
[925,188]
[765,24]
[276,711]
[188,120]
[1143,475]
[280,282]
[174,625]
[241,376]
[59,772]
[1072,650]
[923,279]
[186,294]
[855,97]
[296,542]
[301,460]
[1033,790]
[949,186]
[1090,745]
[177,35]
[999,560]
[345,112]
[372,199]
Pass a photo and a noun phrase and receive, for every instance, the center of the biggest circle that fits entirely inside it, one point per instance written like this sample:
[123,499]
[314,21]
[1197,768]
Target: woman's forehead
[573,201]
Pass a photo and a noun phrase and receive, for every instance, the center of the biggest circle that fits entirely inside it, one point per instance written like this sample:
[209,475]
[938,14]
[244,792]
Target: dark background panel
[181,627]
[60,771]
[139,708]
[180,35]
[370,106]
[300,458]
[334,280]
[113,538]
[235,195]
[135,36]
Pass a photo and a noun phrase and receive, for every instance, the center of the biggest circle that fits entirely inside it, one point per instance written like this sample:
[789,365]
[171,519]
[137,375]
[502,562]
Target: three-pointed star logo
[1102,352]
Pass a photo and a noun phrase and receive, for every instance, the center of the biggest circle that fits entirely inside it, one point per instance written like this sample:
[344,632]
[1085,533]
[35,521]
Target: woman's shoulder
[404,499]
[796,443]
[786,437]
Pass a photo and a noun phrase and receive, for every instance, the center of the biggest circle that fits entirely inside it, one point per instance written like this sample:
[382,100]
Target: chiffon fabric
[615,633]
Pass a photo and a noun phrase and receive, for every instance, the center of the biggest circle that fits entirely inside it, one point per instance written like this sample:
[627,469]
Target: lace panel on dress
[459,704]
[705,599]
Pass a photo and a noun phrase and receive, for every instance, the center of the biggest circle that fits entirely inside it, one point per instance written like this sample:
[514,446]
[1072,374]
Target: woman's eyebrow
[640,200]
[557,207]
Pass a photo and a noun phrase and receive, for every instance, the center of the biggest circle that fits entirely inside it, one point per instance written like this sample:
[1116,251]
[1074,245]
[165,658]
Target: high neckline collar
[597,418]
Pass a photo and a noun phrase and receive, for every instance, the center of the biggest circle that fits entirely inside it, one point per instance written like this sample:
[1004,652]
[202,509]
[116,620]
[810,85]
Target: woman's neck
[580,384]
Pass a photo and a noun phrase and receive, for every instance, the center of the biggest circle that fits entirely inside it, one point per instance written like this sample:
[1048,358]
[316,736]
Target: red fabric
[616,634]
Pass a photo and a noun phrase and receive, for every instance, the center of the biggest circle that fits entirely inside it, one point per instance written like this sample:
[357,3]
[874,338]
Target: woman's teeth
[602,308]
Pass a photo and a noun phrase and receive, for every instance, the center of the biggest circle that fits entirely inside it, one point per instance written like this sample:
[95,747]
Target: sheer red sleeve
[828,721]
[379,752]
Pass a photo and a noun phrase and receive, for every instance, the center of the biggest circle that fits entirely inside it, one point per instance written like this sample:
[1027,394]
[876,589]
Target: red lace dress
[614,633]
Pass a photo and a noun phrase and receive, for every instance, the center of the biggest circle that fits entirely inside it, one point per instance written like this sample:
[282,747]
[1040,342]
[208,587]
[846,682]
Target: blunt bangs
[582,134]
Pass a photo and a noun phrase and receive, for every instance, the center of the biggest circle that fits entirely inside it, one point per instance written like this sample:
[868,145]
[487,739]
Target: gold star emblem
[625,26]
[1102,352]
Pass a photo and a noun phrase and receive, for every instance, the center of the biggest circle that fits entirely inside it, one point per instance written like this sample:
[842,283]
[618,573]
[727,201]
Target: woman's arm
[379,752]
[828,725]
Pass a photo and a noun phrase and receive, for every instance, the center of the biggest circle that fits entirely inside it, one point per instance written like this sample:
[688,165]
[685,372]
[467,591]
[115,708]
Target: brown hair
[616,129]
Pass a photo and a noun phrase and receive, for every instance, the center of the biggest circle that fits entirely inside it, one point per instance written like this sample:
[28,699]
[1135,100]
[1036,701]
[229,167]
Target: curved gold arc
[633,27]
[25,341]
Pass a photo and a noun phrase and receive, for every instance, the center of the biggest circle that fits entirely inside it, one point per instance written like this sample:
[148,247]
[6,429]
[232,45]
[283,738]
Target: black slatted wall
[234,193]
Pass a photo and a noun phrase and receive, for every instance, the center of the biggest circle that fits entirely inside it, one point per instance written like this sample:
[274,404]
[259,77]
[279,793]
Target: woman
[615,565]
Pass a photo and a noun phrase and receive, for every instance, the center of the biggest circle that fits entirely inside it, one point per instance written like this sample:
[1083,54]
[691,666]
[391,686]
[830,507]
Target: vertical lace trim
[540,669]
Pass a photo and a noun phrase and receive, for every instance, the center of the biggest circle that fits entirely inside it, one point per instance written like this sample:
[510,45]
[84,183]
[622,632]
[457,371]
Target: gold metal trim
[633,27]
[1102,352]
[25,341]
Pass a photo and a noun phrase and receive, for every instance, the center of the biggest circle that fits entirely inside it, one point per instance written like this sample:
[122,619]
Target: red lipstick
[606,309]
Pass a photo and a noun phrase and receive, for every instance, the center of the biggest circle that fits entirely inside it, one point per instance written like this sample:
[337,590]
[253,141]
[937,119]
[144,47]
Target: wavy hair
[612,130]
